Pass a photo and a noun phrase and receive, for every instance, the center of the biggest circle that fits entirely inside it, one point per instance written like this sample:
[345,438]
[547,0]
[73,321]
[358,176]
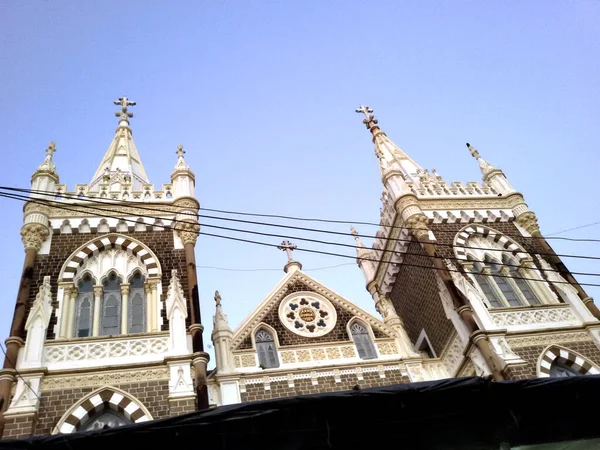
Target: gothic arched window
[137,302]
[486,285]
[522,285]
[107,418]
[85,300]
[265,347]
[559,369]
[111,306]
[363,342]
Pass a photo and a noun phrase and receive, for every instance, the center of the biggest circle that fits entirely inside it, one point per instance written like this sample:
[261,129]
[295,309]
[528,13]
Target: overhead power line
[100,211]
[81,197]
[96,210]
[66,207]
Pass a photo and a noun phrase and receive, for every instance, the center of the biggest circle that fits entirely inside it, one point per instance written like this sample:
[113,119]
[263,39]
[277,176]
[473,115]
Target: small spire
[220,320]
[48,164]
[181,164]
[124,115]
[485,166]
[359,244]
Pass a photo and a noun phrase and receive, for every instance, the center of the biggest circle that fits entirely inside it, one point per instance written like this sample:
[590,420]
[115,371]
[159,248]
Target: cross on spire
[369,119]
[124,102]
[51,149]
[288,247]
[180,151]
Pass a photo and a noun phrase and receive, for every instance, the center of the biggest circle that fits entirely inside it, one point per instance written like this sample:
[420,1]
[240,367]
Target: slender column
[67,304]
[33,235]
[71,317]
[124,307]
[153,283]
[98,290]
[148,291]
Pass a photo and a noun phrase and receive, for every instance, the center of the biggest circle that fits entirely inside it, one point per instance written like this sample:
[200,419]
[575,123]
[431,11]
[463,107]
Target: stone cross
[124,102]
[287,246]
[180,151]
[51,149]
[369,117]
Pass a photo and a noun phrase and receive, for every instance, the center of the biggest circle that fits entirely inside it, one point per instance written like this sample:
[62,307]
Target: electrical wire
[157,210]
[18,374]
[99,211]
[117,202]
[227,269]
[45,202]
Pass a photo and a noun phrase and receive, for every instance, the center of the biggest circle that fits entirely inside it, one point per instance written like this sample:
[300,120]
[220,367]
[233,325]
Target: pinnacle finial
[353,231]
[124,102]
[51,149]
[370,121]
[473,150]
[180,151]
[217,299]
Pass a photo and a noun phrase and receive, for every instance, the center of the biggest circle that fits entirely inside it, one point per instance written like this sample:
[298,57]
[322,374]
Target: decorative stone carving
[27,394]
[176,314]
[528,220]
[418,225]
[103,379]
[37,325]
[188,232]
[546,339]
[387,348]
[33,236]
[535,316]
[307,314]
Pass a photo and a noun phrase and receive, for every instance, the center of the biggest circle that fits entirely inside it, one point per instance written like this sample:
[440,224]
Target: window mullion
[509,277]
[487,273]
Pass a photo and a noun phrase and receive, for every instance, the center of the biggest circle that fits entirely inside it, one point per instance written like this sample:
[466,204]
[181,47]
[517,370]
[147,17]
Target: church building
[107,327]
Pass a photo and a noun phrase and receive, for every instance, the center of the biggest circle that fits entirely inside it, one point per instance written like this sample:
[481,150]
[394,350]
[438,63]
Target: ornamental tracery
[307,314]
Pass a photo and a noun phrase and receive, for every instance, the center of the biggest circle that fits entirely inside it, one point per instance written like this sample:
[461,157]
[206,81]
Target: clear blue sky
[262,96]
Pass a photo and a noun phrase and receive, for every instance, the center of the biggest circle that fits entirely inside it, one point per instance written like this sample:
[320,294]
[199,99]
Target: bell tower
[107,314]
[471,276]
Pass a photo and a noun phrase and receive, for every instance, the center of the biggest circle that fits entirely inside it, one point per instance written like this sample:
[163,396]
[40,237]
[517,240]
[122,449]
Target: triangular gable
[295,281]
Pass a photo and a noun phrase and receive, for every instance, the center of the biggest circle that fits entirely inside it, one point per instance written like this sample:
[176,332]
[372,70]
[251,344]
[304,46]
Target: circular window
[307,314]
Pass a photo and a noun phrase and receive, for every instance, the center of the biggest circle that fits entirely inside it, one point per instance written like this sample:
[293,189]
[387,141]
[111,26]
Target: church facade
[107,327]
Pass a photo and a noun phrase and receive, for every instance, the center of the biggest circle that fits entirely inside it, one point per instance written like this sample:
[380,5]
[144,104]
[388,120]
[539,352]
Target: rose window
[307,314]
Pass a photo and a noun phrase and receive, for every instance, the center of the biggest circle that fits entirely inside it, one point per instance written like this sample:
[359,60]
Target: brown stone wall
[63,245]
[286,337]
[19,426]
[326,384]
[182,406]
[531,354]
[54,404]
[417,301]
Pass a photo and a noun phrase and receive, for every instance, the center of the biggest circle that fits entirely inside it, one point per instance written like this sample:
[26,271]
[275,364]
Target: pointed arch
[557,354]
[113,240]
[267,327]
[505,243]
[107,397]
[362,335]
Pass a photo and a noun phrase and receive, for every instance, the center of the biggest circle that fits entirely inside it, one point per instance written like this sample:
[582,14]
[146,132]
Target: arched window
[522,285]
[363,342]
[137,302]
[107,418]
[559,369]
[111,306]
[485,283]
[85,300]
[265,347]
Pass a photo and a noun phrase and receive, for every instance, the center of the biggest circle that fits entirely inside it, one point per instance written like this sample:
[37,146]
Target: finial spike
[217,298]
[473,150]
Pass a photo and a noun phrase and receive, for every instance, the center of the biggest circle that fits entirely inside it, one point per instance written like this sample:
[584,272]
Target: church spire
[121,163]
[364,257]
[397,169]
[491,174]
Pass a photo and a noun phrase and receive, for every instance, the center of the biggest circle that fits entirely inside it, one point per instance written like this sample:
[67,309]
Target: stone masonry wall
[417,300]
[63,245]
[54,404]
[326,384]
[531,354]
